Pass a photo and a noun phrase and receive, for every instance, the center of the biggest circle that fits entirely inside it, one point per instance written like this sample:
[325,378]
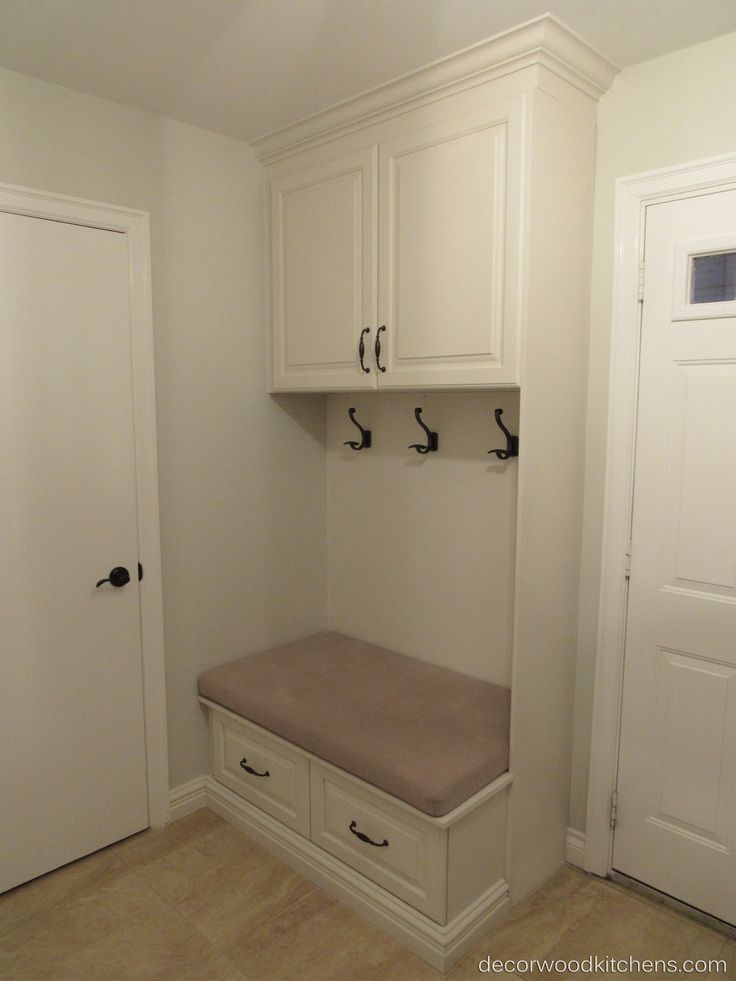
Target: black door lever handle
[119,576]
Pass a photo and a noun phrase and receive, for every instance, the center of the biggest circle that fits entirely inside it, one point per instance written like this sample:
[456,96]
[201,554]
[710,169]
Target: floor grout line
[214,948]
[212,942]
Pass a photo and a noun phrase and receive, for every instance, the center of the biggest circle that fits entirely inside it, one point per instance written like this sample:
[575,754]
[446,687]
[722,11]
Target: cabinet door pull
[365,838]
[378,349]
[249,769]
[361,349]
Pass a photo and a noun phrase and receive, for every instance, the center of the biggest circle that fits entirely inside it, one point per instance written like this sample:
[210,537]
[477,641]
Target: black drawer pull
[365,838]
[249,769]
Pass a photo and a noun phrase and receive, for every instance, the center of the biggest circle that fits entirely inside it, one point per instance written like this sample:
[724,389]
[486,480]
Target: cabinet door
[449,232]
[323,274]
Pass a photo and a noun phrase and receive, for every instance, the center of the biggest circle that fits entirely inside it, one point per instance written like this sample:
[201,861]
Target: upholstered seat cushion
[425,734]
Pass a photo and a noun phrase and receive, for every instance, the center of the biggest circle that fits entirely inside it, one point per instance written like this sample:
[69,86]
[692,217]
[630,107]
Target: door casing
[633,196]
[135,226]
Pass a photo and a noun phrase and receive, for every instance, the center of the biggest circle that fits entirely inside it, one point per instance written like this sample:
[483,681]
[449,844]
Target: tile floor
[198,901]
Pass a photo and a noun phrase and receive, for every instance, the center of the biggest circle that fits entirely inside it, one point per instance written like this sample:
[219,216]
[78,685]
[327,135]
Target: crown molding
[542,41]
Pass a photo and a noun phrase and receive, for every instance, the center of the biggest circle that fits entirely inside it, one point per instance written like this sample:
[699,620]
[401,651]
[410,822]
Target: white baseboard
[575,847]
[188,798]
[440,946]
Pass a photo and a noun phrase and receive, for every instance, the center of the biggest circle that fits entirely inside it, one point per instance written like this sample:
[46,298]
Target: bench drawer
[409,853]
[262,769]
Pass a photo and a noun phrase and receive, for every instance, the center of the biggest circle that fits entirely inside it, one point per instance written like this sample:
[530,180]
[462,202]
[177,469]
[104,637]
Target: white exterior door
[323,299]
[676,826]
[72,752]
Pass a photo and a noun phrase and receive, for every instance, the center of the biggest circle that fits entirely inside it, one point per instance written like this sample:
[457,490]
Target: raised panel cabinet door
[449,215]
[323,275]
[676,821]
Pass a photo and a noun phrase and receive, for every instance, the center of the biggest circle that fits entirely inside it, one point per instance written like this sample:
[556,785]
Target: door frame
[633,196]
[135,226]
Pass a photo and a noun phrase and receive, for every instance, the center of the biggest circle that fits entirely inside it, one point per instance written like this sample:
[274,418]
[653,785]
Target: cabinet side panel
[476,853]
[554,366]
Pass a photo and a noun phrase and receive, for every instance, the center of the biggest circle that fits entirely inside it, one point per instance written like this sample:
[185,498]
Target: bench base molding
[440,946]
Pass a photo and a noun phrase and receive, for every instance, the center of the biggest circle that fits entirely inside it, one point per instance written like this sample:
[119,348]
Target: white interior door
[72,754]
[676,827]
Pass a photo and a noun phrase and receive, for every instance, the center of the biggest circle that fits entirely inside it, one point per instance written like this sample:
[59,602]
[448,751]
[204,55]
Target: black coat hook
[512,442]
[365,434]
[432,438]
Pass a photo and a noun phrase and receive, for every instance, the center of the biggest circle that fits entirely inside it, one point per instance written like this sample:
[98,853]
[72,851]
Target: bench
[393,767]
[427,735]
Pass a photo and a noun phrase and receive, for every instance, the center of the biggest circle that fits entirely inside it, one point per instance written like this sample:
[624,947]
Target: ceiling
[247,67]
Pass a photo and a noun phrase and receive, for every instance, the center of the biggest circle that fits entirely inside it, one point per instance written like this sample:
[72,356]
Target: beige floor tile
[225,884]
[466,970]
[727,953]
[121,931]
[540,922]
[318,939]
[179,871]
[402,965]
[468,967]
[576,916]
[709,945]
[72,881]
[198,901]
[216,968]
[148,846]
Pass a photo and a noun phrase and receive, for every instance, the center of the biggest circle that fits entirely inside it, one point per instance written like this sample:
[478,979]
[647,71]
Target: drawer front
[262,770]
[408,854]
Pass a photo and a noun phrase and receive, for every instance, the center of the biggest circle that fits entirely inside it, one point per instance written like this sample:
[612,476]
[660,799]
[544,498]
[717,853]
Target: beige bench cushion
[427,735]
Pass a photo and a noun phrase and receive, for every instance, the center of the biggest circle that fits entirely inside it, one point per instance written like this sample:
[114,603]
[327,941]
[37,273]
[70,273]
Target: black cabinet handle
[361,349]
[249,769]
[119,576]
[378,349]
[365,838]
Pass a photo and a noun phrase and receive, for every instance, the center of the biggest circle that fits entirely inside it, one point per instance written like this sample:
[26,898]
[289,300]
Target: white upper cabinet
[323,274]
[448,236]
[408,217]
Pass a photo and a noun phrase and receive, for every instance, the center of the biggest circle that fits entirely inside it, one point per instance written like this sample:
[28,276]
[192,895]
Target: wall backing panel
[420,548]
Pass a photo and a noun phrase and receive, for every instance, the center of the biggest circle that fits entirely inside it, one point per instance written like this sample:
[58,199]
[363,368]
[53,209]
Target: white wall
[663,112]
[421,548]
[241,474]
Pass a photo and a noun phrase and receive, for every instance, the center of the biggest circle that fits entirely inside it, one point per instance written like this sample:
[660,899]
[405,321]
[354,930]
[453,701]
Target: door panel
[676,827]
[448,214]
[691,778]
[71,727]
[703,510]
[323,274]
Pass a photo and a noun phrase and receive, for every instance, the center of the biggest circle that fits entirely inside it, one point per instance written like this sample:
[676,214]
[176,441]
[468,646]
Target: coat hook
[432,438]
[512,442]
[365,434]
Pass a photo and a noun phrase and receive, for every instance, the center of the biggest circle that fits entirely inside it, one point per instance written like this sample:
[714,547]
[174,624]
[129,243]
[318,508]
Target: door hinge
[641,282]
[627,560]
[614,808]
[140,572]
